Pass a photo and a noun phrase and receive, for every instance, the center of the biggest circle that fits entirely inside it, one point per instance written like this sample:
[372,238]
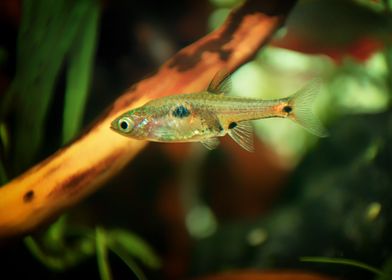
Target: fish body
[205,116]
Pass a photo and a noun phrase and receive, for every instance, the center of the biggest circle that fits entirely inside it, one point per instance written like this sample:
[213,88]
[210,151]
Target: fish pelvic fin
[299,109]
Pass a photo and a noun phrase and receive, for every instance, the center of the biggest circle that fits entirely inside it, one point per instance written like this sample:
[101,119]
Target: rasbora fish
[205,116]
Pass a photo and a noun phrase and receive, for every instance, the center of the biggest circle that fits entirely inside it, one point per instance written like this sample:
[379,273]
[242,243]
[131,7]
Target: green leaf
[127,259]
[48,29]
[55,236]
[134,246]
[53,250]
[102,254]
[344,262]
[387,5]
[49,261]
[79,73]
[60,260]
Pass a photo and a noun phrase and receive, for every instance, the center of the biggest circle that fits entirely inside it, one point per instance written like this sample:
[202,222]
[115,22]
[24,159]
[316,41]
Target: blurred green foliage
[128,246]
[63,247]
[52,35]
[102,254]
[55,250]
[348,89]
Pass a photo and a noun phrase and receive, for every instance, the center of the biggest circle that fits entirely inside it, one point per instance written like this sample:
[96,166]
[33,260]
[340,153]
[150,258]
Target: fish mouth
[113,127]
[113,124]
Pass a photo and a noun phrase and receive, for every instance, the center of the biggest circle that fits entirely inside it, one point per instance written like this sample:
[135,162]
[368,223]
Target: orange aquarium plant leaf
[77,170]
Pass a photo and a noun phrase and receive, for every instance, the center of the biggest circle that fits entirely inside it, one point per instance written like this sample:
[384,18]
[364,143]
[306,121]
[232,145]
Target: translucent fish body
[205,116]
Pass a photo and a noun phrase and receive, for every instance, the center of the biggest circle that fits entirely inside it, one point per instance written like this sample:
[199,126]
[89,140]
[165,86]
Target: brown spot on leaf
[73,184]
[28,196]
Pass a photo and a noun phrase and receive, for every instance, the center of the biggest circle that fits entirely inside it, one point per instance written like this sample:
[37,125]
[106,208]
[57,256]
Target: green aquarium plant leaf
[55,251]
[80,65]
[135,247]
[38,253]
[102,254]
[48,30]
[54,237]
[343,261]
[4,137]
[128,260]
[60,257]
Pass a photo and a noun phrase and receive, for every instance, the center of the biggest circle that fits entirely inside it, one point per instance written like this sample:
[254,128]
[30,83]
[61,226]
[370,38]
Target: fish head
[132,124]
[171,121]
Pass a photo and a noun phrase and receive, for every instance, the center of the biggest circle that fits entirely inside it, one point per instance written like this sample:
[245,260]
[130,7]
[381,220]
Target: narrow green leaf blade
[81,58]
[124,256]
[47,31]
[135,247]
[102,254]
[343,261]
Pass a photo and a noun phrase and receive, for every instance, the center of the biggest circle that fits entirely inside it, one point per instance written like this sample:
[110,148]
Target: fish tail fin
[300,107]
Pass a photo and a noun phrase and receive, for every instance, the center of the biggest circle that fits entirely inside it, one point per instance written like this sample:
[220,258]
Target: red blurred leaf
[336,29]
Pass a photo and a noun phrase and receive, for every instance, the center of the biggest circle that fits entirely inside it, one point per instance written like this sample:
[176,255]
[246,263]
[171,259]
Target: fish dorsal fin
[242,133]
[221,83]
[210,143]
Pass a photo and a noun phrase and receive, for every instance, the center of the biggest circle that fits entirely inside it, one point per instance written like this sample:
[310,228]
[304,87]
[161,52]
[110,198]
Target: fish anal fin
[210,143]
[221,83]
[242,133]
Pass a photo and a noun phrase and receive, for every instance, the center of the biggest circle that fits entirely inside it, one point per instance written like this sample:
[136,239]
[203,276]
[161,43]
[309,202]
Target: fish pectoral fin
[210,143]
[221,83]
[242,133]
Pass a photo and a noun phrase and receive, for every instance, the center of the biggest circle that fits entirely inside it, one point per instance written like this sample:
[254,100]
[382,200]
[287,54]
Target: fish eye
[125,124]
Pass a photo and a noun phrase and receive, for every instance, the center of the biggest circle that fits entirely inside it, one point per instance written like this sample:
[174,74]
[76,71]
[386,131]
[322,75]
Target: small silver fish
[205,116]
